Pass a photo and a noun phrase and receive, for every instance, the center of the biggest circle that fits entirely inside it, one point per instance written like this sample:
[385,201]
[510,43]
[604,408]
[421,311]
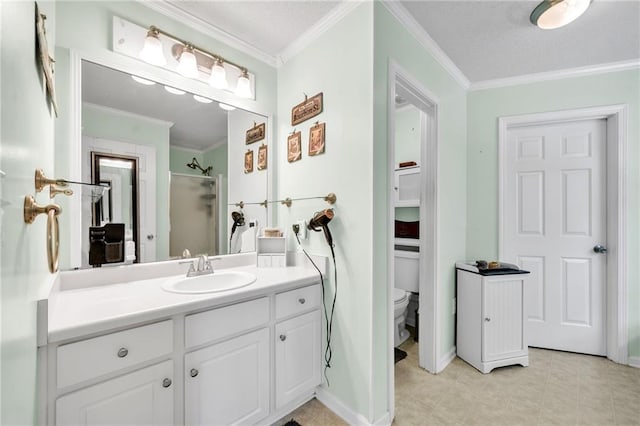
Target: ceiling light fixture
[187,64]
[243,86]
[192,60]
[218,78]
[142,80]
[174,90]
[202,99]
[152,50]
[226,107]
[552,14]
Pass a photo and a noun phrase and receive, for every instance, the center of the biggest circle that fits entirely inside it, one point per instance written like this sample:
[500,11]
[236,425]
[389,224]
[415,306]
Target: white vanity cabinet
[297,343]
[144,397]
[491,320]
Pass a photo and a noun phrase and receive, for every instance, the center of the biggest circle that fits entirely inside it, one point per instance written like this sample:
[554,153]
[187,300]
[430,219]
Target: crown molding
[423,37]
[173,11]
[316,30]
[121,113]
[556,75]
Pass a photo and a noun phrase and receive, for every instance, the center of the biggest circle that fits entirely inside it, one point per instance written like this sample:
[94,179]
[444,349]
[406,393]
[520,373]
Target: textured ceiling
[494,39]
[196,125]
[268,25]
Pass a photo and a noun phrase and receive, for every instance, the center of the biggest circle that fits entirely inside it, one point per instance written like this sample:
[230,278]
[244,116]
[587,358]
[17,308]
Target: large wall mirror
[175,165]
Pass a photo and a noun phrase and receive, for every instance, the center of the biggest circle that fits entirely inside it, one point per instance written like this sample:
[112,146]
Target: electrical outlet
[302,234]
[453,306]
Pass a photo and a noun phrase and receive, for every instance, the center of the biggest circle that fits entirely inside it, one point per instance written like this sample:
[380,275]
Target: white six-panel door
[554,216]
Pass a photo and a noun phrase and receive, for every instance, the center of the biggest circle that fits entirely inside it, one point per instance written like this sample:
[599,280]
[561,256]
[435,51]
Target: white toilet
[407,270]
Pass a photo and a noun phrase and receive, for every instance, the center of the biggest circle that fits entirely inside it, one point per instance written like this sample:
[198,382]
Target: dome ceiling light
[552,14]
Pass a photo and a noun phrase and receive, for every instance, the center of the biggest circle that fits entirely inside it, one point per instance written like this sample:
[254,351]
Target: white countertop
[76,312]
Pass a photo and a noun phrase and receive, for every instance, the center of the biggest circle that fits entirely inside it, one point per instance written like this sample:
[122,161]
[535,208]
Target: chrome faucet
[204,266]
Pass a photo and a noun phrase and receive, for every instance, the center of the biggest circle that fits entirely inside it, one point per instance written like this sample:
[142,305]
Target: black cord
[328,352]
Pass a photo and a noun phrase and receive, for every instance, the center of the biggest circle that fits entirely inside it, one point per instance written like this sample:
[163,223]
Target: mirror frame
[128,65]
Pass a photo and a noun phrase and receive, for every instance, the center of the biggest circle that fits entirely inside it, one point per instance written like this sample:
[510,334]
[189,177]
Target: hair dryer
[321,220]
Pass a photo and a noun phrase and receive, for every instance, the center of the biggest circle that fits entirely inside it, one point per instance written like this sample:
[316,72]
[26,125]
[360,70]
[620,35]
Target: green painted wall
[484,108]
[407,135]
[179,158]
[26,143]
[344,76]
[393,41]
[99,123]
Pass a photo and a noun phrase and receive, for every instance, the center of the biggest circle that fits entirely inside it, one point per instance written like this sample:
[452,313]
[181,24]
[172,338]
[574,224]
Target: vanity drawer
[298,300]
[217,323]
[95,357]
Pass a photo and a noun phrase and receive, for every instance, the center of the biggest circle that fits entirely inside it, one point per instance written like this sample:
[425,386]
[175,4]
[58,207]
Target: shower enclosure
[194,214]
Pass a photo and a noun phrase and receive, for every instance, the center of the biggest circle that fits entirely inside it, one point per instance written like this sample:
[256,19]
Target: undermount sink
[211,283]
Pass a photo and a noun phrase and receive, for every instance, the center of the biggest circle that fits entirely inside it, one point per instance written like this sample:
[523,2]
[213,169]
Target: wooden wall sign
[307,109]
[262,157]
[294,147]
[316,139]
[248,161]
[256,133]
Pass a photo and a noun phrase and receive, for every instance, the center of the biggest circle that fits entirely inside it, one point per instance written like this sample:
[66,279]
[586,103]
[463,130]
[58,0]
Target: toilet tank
[407,270]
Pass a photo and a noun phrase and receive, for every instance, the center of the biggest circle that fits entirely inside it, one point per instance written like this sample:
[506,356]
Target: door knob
[193,372]
[600,249]
[166,383]
[150,237]
[487,319]
[122,352]
[283,337]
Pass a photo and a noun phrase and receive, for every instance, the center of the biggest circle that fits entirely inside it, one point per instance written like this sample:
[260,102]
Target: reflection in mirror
[189,153]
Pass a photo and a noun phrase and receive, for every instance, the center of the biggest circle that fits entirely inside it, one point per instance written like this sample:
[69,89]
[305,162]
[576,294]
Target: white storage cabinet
[407,187]
[491,320]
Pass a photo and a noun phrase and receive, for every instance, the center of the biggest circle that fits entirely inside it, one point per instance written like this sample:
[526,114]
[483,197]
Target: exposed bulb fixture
[218,78]
[142,80]
[188,65]
[152,50]
[552,14]
[226,107]
[243,86]
[174,91]
[202,99]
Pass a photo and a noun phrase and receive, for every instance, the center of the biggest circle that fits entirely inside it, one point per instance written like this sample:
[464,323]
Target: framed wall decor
[294,147]
[256,133]
[262,157]
[248,161]
[316,139]
[308,108]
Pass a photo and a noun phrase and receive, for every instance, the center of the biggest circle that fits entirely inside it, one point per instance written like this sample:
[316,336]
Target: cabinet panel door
[228,383]
[298,352]
[502,319]
[137,398]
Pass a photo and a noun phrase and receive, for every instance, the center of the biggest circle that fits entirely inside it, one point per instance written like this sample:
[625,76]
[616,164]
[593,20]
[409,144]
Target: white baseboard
[445,360]
[634,361]
[340,409]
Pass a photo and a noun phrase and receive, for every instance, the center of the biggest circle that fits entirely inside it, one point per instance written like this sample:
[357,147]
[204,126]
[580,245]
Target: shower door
[193,215]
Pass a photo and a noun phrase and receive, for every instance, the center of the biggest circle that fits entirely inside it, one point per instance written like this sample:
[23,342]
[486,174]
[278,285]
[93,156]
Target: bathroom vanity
[133,353]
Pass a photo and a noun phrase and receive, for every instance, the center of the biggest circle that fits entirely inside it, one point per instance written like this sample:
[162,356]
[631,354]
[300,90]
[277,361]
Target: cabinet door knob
[193,372]
[302,300]
[283,337]
[122,352]
[166,383]
[487,319]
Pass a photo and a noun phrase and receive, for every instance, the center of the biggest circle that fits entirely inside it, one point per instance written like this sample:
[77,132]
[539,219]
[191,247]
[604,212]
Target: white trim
[634,361]
[556,75]
[427,103]
[339,408]
[316,30]
[173,11]
[423,37]
[446,359]
[617,221]
[75,157]
[123,113]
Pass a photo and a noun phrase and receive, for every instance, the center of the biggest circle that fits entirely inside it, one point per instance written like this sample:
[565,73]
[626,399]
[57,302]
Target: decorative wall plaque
[262,157]
[316,139]
[256,133]
[248,161]
[310,107]
[294,147]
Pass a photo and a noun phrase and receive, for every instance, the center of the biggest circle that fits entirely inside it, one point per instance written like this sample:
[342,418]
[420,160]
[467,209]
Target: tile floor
[558,388]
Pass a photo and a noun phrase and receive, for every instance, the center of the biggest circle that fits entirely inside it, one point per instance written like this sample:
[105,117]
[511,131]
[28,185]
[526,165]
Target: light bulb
[142,80]
[226,107]
[202,99]
[152,52]
[243,86]
[174,91]
[188,65]
[218,78]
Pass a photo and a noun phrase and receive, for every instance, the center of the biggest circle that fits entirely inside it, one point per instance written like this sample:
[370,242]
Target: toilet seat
[399,296]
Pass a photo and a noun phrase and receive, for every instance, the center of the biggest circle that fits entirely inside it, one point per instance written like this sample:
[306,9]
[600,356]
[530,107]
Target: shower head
[195,165]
